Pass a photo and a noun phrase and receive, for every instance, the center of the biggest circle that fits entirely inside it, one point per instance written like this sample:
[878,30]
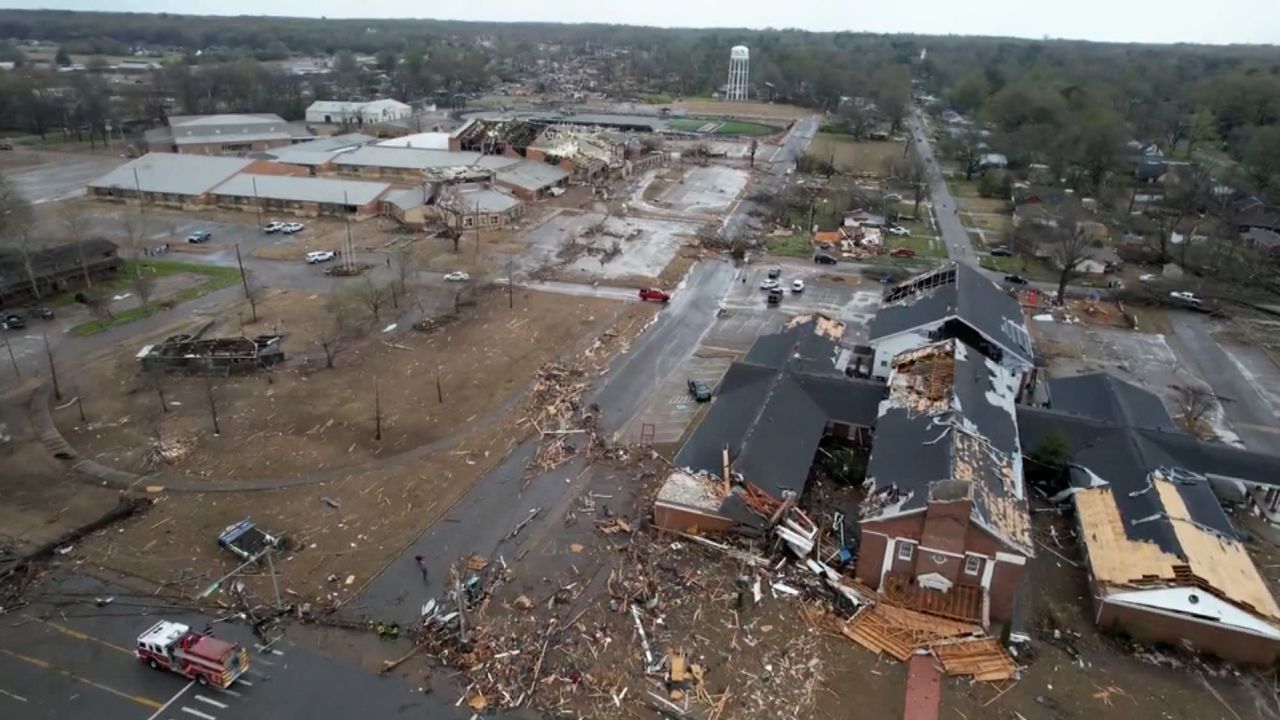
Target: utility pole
[511,286]
[348,262]
[377,411]
[275,582]
[244,282]
[477,217]
[53,370]
[8,346]
[439,388]
[137,184]
[79,403]
[213,406]
[257,204]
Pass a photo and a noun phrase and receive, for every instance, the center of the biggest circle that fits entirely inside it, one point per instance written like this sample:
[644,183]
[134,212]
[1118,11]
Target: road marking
[244,682]
[147,702]
[6,693]
[229,692]
[172,699]
[277,653]
[79,635]
[211,701]
[197,713]
[263,661]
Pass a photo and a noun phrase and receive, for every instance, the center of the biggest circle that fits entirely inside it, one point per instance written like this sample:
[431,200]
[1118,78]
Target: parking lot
[672,408]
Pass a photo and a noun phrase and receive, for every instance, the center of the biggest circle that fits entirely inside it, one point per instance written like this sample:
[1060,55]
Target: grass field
[925,246]
[850,155]
[217,278]
[727,127]
[789,245]
[711,106]
[1029,268]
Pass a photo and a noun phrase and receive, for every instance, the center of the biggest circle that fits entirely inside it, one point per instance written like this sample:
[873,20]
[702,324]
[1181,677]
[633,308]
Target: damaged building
[186,354]
[954,300]
[945,522]
[1164,563]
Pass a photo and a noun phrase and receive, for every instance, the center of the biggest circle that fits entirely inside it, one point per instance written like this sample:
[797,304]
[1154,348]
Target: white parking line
[171,700]
[264,661]
[197,713]
[229,692]
[277,653]
[19,698]
[211,701]
[244,682]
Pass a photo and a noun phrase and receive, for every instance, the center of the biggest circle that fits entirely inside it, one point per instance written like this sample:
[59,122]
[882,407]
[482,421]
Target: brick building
[224,134]
[302,196]
[168,179]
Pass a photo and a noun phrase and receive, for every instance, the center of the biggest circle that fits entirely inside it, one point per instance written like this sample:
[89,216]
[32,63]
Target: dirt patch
[984,205]
[850,155]
[301,418]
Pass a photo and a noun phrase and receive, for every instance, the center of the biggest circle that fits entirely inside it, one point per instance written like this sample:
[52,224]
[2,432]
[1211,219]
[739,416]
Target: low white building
[357,113]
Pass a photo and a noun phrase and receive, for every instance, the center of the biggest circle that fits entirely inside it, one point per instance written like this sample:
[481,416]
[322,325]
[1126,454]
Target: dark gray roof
[1106,398]
[771,408]
[955,290]
[1120,433]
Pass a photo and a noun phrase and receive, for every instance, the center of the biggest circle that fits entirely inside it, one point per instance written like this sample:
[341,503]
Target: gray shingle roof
[418,159]
[955,290]
[303,189]
[532,175]
[770,410]
[172,173]
[232,128]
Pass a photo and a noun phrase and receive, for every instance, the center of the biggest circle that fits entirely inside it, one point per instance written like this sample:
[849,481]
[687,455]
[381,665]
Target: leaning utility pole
[53,370]
[511,286]
[244,282]
[213,406]
[79,402]
[377,411]
[257,204]
[8,346]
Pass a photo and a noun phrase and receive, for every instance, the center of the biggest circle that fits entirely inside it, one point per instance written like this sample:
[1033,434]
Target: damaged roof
[771,408]
[959,291]
[948,431]
[1143,495]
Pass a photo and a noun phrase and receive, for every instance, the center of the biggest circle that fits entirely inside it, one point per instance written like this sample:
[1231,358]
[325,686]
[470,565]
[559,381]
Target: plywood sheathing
[822,325]
[1005,510]
[1218,564]
[983,658]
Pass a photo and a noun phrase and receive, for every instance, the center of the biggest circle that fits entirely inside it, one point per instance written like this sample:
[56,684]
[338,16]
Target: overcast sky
[1205,21]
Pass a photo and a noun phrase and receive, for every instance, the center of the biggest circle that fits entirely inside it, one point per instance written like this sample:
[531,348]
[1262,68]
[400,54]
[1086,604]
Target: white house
[358,113]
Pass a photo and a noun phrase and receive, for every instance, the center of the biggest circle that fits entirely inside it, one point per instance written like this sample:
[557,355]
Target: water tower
[739,59]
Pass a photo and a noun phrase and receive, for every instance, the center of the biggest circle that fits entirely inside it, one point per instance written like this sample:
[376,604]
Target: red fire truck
[203,658]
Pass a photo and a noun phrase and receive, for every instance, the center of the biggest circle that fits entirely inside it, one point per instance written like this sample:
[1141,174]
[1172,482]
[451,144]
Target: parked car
[273,227]
[893,197]
[13,321]
[1148,277]
[824,246]
[199,236]
[457,276]
[797,286]
[320,256]
[903,253]
[291,228]
[768,284]
[899,231]
[654,294]
[6,144]
[1186,297]
[44,313]
[775,296]
[699,391]
[775,273]
[1002,251]
[1015,279]
[824,259]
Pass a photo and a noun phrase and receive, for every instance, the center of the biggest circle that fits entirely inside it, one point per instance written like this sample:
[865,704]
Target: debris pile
[565,425]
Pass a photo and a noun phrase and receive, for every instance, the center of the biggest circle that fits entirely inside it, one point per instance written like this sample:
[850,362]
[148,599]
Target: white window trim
[906,550]
[977,564]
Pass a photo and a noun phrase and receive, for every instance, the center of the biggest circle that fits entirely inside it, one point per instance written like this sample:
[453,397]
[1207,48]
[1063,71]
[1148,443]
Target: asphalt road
[481,521]
[1250,415]
[954,237]
[62,657]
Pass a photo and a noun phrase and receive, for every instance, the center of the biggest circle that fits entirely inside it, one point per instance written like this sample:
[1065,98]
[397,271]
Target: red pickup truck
[654,294]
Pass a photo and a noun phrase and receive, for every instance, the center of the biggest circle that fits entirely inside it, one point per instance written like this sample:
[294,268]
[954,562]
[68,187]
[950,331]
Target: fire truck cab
[207,660]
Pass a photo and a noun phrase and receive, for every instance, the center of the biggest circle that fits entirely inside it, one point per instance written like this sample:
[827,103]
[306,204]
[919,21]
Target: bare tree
[76,224]
[1195,404]
[373,297]
[15,228]
[135,238]
[1069,245]
[339,328]
[910,172]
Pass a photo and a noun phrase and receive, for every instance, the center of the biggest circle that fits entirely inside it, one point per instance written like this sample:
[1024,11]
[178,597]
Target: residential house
[992,161]
[1164,563]
[54,269]
[224,134]
[1099,261]
[945,521]
[954,300]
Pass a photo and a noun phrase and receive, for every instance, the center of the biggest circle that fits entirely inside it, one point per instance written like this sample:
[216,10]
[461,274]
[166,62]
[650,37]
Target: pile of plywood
[962,648]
